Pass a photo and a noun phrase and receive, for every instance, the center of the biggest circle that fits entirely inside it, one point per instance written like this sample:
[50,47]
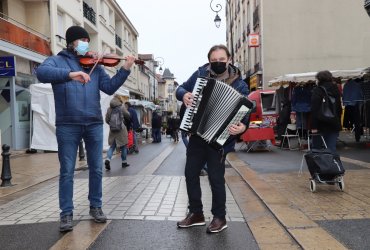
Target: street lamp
[217,9]
[367,6]
[160,62]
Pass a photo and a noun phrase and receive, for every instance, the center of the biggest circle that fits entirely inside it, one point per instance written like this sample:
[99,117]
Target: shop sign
[254,40]
[7,66]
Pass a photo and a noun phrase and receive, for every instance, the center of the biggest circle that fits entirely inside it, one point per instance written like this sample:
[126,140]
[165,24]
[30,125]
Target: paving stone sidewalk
[140,197]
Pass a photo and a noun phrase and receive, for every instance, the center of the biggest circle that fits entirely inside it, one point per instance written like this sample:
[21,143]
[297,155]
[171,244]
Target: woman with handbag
[321,123]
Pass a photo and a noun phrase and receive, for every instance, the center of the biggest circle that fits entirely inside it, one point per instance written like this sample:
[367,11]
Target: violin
[91,59]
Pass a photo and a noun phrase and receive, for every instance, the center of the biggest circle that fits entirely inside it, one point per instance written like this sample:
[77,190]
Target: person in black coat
[156,127]
[328,129]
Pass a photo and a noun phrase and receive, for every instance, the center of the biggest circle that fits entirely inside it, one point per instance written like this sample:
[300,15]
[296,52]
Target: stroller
[324,166]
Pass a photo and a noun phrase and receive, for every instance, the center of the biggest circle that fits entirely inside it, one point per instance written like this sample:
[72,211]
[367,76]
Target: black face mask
[218,67]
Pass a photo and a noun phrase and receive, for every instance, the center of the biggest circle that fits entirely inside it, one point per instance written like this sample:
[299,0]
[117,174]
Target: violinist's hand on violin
[79,76]
[235,129]
[129,61]
[188,99]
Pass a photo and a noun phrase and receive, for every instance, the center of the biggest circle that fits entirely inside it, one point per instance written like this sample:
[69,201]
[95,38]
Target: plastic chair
[291,132]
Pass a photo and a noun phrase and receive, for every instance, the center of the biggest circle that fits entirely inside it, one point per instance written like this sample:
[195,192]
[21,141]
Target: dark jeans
[198,154]
[330,140]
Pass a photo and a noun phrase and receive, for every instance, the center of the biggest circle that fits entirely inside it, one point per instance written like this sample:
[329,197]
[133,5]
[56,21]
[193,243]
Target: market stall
[294,90]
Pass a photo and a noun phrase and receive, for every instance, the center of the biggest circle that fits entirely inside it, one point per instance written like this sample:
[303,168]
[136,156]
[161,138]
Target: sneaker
[203,173]
[66,223]
[217,225]
[125,164]
[107,164]
[191,220]
[98,214]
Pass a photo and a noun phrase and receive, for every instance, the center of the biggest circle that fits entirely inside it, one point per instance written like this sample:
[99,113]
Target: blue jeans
[113,147]
[69,137]
[156,134]
[135,141]
[184,137]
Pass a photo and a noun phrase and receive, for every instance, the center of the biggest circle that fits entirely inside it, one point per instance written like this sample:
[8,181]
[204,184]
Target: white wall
[302,36]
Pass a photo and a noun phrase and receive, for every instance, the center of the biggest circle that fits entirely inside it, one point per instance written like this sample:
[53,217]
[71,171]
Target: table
[255,135]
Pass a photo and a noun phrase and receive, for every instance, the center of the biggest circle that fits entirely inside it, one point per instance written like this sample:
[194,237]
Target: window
[60,30]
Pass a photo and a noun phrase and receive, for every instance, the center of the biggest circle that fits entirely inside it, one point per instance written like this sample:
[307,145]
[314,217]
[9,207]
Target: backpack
[327,109]
[116,119]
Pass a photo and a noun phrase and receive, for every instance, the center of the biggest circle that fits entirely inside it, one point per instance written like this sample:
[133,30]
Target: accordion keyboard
[186,122]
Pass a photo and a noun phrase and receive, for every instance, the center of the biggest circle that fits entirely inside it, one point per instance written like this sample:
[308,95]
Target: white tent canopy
[43,110]
[145,104]
[310,76]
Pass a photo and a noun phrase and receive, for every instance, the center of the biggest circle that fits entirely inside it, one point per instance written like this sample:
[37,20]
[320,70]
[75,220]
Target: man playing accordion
[199,152]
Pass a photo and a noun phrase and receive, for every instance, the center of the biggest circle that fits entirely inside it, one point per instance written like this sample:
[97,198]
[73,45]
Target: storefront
[17,73]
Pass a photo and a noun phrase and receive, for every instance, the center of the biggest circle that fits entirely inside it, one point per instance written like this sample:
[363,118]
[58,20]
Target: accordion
[215,106]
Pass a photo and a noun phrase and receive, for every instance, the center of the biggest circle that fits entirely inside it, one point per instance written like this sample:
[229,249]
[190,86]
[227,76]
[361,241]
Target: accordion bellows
[216,106]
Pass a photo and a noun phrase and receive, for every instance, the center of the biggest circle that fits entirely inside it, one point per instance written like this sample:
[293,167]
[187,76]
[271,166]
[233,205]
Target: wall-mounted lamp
[217,9]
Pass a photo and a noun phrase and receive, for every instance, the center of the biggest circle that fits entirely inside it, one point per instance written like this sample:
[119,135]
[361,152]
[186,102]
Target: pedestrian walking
[79,116]
[156,127]
[116,116]
[328,128]
[173,125]
[200,153]
[135,124]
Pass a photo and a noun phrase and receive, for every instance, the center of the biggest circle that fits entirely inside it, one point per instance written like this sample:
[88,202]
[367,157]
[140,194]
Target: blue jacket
[352,93]
[77,103]
[301,99]
[238,84]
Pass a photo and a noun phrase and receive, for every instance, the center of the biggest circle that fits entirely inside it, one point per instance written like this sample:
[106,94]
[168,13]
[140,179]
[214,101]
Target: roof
[160,79]
[167,74]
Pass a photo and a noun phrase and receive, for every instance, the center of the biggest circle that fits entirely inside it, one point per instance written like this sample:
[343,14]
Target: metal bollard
[81,151]
[6,175]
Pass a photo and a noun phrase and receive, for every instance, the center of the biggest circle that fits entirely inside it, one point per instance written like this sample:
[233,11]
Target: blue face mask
[82,47]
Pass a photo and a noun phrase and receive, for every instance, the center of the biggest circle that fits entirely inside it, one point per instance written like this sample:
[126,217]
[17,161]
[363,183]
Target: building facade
[268,38]
[30,31]
[166,95]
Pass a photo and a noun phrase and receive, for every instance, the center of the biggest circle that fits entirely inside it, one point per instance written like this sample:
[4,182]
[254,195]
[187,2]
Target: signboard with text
[254,40]
[7,66]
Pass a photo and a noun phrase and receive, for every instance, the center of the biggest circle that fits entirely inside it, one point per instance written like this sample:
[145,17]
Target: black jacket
[156,120]
[316,100]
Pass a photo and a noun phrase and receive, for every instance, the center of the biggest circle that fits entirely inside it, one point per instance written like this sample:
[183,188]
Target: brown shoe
[192,220]
[217,225]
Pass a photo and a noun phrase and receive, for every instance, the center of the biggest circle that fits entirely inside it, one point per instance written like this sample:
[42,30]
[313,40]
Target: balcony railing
[22,36]
[89,13]
[118,41]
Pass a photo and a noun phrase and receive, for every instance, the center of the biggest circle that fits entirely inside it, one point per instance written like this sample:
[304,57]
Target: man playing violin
[79,116]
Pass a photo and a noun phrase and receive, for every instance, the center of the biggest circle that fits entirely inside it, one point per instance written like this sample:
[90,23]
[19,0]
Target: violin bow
[96,63]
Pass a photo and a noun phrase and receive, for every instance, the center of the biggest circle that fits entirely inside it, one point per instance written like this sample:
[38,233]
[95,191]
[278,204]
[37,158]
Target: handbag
[327,109]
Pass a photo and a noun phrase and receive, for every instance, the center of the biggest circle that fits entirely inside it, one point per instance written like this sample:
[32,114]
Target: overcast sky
[181,32]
